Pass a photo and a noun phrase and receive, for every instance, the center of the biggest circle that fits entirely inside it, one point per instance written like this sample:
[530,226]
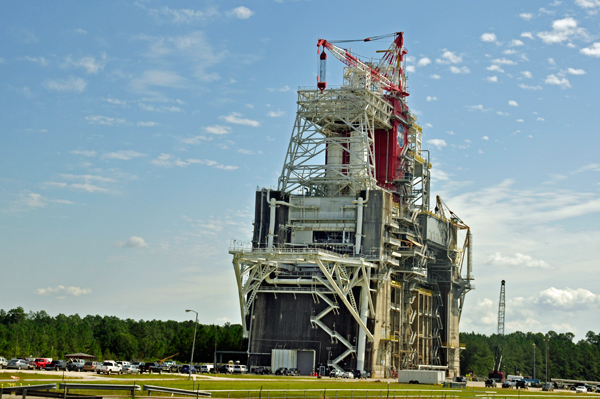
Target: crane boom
[395,54]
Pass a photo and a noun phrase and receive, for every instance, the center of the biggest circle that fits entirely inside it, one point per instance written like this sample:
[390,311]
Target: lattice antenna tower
[501,306]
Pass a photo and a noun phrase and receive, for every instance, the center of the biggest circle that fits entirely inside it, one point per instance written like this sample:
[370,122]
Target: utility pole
[546,341]
[534,360]
[193,344]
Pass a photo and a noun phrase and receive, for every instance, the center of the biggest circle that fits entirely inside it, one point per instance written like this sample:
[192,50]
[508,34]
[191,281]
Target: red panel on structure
[388,149]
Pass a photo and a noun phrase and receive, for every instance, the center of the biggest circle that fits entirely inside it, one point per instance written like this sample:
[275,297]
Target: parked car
[460,379]
[138,364]
[109,367]
[185,369]
[360,374]
[225,369]
[335,373]
[293,372]
[130,369]
[598,388]
[262,370]
[3,363]
[90,366]
[281,371]
[508,384]
[490,383]
[548,387]
[240,369]
[207,368]
[56,365]
[522,384]
[147,367]
[75,365]
[347,374]
[581,389]
[18,364]
[42,362]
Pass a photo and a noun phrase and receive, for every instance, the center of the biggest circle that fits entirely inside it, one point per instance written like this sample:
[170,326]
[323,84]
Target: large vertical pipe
[362,336]
[273,206]
[359,223]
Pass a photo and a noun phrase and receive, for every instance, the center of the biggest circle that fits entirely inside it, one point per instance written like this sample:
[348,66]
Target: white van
[207,368]
[240,369]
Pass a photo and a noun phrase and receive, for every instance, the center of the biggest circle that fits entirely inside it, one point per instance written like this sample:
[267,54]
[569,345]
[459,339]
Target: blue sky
[134,134]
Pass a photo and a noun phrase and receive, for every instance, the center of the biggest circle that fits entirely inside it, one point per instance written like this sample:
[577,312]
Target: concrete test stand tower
[348,267]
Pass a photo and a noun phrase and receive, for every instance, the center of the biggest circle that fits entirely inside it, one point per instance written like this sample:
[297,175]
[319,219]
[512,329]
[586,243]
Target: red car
[41,363]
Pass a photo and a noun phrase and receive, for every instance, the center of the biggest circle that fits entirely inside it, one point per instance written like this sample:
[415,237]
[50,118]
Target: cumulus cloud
[513,103]
[562,30]
[61,290]
[88,154]
[104,120]
[489,37]
[592,51]
[71,84]
[235,118]
[496,68]
[503,61]
[183,15]
[568,299]
[241,12]
[478,107]
[518,259]
[424,61]
[132,242]
[438,143]
[275,114]
[527,74]
[526,16]
[516,43]
[430,98]
[574,71]
[449,57]
[147,124]
[524,86]
[492,79]
[556,81]
[218,129]
[463,69]
[528,35]
[485,138]
[590,5]
[88,63]
[435,76]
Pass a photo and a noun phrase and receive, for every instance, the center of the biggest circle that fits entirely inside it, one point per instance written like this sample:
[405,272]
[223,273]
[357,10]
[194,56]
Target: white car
[3,363]
[580,389]
[348,374]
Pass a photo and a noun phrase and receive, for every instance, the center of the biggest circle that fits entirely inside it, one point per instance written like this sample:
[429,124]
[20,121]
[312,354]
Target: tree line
[565,358]
[36,334]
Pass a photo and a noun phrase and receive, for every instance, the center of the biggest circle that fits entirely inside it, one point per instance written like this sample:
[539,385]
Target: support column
[362,336]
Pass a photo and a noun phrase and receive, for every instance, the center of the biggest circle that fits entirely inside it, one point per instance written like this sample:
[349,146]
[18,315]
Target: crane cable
[368,39]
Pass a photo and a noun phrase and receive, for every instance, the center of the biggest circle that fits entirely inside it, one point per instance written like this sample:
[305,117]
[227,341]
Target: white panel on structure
[283,358]
[422,376]
[302,237]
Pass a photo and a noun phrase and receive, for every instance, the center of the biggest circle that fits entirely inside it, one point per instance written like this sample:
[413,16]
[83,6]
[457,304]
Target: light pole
[193,344]
[534,360]
[546,341]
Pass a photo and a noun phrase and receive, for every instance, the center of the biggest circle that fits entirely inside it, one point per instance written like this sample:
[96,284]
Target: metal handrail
[155,388]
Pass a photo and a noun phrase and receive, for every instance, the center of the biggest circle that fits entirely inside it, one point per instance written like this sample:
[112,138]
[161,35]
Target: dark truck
[155,367]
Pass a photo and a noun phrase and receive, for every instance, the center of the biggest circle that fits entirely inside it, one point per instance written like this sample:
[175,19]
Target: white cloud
[275,114]
[527,74]
[592,51]
[502,113]
[573,71]
[449,57]
[70,84]
[518,259]
[430,98]
[88,63]
[528,35]
[503,61]
[81,31]
[526,16]
[424,61]
[104,120]
[513,103]
[516,43]
[438,143]
[524,86]
[551,61]
[479,108]
[241,12]
[568,299]
[509,51]
[195,139]
[123,155]
[411,68]
[38,60]
[485,138]
[235,117]
[283,89]
[489,37]
[147,124]
[90,188]
[88,178]
[434,76]
[520,120]
[158,78]
[540,119]
[132,242]
[184,15]
[34,200]
[168,161]
[62,290]
[218,129]
[496,68]
[492,79]
[562,30]
[88,154]
[555,80]
[463,69]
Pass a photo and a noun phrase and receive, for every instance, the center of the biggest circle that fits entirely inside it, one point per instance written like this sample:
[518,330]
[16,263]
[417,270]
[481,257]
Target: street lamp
[193,344]
[534,360]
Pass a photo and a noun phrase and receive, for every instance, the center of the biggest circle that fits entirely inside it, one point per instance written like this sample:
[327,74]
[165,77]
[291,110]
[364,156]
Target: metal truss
[344,119]
[332,278]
